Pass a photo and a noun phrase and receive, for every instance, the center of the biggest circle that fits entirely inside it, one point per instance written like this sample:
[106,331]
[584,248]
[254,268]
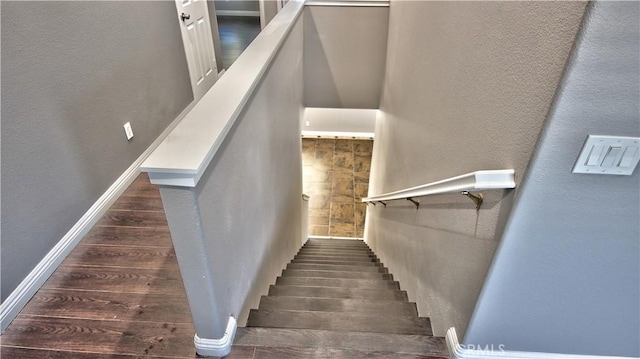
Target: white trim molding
[14,303]
[374,3]
[459,351]
[474,181]
[217,347]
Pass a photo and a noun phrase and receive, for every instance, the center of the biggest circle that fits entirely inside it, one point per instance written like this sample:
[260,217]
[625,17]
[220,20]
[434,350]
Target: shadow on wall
[321,89]
[344,54]
[502,200]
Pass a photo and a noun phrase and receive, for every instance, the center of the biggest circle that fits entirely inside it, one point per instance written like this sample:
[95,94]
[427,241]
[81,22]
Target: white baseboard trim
[458,351]
[217,347]
[238,13]
[14,303]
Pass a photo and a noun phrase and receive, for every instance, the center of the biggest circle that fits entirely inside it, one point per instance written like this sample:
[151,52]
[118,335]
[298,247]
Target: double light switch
[610,155]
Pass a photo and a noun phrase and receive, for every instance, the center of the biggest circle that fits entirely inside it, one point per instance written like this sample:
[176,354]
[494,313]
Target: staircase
[336,300]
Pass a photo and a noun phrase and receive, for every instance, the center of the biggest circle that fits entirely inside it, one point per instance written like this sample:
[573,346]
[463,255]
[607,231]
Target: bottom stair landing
[336,300]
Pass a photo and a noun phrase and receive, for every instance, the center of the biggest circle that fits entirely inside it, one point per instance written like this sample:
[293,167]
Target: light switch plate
[608,155]
[128,131]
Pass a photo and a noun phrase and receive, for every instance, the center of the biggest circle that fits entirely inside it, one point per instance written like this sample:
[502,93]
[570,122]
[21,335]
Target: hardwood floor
[119,293]
[236,33]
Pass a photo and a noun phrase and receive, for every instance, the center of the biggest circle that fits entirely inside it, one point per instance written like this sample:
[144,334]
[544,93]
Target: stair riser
[335,267]
[335,258]
[337,283]
[334,274]
[336,250]
[358,244]
[342,263]
[328,292]
[352,248]
[336,255]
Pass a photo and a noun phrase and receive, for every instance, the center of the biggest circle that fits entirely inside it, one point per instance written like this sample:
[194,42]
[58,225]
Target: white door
[198,45]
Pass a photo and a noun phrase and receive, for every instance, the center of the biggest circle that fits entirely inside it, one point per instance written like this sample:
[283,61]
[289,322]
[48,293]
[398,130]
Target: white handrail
[183,157]
[474,181]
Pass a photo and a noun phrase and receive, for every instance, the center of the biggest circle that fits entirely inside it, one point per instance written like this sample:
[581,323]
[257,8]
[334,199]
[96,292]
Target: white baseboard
[458,351]
[238,13]
[14,303]
[217,347]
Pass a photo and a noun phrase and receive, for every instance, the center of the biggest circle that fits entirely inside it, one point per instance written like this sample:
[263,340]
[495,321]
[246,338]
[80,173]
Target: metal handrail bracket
[474,181]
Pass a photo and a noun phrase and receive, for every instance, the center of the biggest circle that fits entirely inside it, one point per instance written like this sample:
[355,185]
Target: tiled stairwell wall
[336,177]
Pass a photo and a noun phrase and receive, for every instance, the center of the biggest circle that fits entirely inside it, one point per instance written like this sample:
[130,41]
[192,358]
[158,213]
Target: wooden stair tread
[337,245]
[345,242]
[338,282]
[338,262]
[348,252]
[337,267]
[335,274]
[363,322]
[284,352]
[331,292]
[340,257]
[339,305]
[314,338]
[365,259]
[338,248]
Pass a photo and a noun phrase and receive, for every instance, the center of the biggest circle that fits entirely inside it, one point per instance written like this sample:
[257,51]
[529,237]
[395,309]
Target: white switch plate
[128,130]
[608,155]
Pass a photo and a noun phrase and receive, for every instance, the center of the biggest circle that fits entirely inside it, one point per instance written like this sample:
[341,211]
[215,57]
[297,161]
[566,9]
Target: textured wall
[236,230]
[467,87]
[566,278]
[67,89]
[344,55]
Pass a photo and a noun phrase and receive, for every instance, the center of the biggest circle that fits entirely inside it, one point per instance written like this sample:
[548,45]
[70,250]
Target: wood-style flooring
[119,294]
[236,33]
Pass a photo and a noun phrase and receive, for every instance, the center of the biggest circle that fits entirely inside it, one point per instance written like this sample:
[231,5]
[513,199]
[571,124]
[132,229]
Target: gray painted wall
[72,74]
[238,5]
[270,11]
[236,231]
[566,278]
[344,55]
[467,87]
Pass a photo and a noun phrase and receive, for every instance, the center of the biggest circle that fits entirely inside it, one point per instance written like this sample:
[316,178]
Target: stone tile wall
[336,177]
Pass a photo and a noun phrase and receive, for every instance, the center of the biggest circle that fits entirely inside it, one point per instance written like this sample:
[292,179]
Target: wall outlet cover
[128,131]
